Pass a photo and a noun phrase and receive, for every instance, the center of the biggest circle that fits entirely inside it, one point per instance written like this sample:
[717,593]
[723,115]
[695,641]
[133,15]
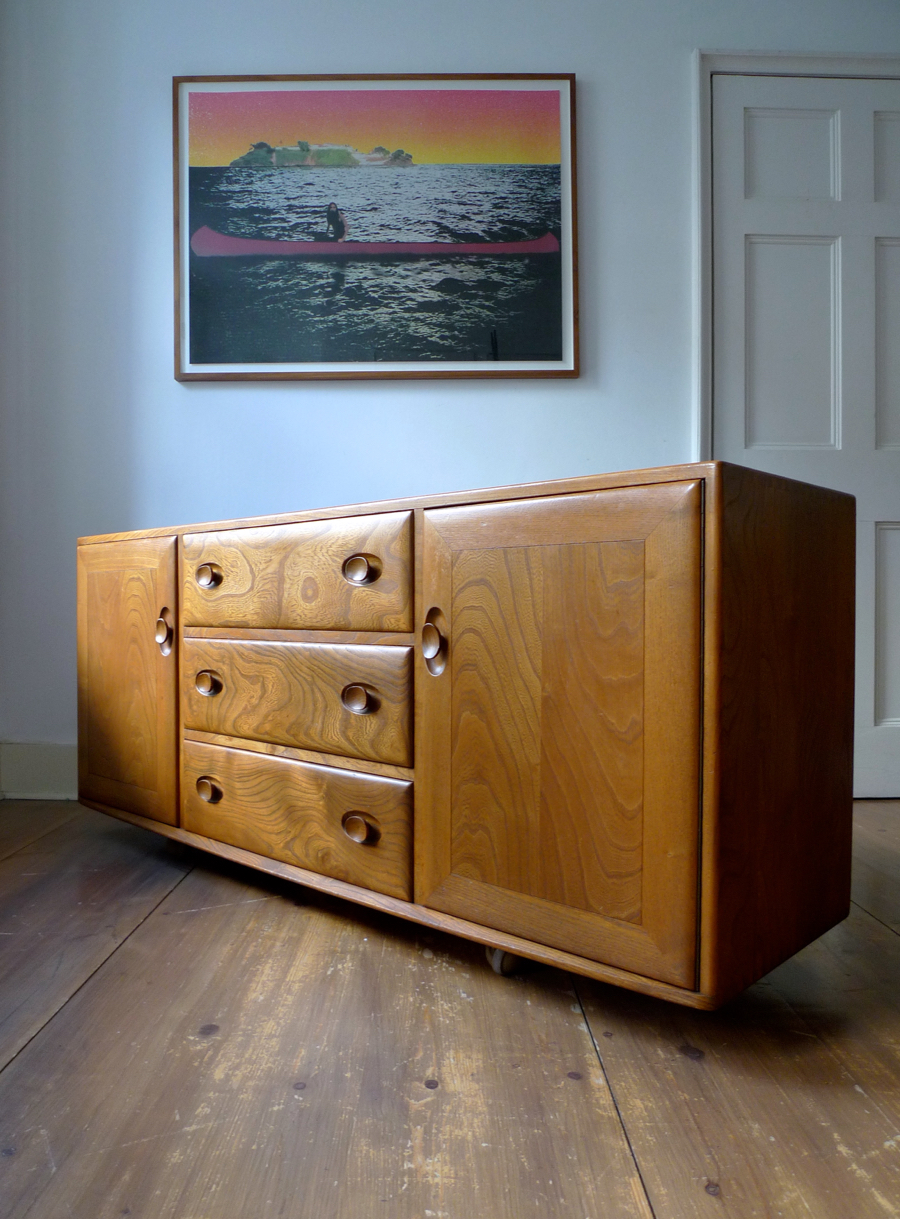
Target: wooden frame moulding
[494,134]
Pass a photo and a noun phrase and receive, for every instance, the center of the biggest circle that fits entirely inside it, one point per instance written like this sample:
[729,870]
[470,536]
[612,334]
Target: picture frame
[349,227]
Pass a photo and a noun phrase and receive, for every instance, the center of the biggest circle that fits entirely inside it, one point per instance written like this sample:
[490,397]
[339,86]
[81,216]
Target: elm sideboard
[604,722]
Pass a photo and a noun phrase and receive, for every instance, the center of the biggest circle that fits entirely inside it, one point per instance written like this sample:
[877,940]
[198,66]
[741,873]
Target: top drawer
[348,574]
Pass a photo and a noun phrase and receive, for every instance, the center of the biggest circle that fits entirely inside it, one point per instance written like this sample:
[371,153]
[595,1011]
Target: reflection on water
[299,311]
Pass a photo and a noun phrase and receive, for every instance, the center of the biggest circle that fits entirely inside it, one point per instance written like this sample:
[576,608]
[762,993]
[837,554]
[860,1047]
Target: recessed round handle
[431,641]
[208,683]
[361,569]
[208,789]
[434,641]
[360,828]
[164,631]
[209,575]
[358,699]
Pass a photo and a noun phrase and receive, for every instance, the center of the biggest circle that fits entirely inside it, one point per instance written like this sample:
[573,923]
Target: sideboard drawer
[348,574]
[353,700]
[351,826]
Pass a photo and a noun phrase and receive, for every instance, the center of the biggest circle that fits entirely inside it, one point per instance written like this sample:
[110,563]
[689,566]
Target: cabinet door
[558,770]
[127,681]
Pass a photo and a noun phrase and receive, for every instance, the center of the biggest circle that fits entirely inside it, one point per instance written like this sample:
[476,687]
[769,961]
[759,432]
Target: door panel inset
[887,349]
[887,623]
[553,756]
[792,320]
[791,154]
[887,156]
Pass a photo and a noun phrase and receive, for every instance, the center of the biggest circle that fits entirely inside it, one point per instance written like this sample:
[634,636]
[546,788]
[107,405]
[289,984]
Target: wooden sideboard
[604,722]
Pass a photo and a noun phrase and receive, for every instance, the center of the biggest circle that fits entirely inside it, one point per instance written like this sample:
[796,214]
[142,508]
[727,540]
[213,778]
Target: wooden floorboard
[784,1103]
[24,821]
[876,859]
[256,1050]
[68,898]
[229,1046]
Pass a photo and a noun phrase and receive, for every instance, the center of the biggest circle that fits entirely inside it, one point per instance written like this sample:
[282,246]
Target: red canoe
[210,244]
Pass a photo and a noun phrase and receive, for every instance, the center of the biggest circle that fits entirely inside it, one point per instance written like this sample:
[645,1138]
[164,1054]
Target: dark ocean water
[298,311]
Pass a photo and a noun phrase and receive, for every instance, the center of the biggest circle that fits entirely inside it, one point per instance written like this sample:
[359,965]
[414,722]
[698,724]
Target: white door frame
[706,64]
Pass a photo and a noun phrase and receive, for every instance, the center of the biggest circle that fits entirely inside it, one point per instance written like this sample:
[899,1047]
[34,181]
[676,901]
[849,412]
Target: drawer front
[348,574]
[343,824]
[348,699]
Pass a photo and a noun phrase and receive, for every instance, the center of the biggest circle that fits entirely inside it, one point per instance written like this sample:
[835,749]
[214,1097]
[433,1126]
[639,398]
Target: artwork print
[404,227]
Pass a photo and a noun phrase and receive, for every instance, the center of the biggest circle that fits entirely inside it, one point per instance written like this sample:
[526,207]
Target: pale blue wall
[97,435]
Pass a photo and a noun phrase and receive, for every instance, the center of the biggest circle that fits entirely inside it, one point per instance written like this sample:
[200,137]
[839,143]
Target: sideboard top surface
[559,486]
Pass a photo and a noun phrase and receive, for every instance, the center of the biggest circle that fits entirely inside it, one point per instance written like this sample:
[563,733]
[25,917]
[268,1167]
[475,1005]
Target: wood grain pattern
[246,1053]
[301,755]
[290,576]
[482,495]
[424,915]
[782,742]
[592,720]
[127,689]
[165,1081]
[374,638]
[495,675]
[25,821]
[564,841]
[599,817]
[748,1111]
[876,859]
[567,738]
[67,900]
[785,1102]
[290,694]
[293,811]
[433,824]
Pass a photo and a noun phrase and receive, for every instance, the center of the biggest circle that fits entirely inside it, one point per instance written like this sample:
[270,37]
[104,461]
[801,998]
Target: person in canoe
[337,226]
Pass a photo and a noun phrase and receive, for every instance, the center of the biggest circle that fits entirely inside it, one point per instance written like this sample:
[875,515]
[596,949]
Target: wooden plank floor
[184,1038]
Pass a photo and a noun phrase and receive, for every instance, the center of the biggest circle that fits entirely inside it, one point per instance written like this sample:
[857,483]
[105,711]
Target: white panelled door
[806,333]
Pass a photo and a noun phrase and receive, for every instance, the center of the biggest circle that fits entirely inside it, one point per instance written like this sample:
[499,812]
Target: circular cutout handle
[164,631]
[208,683]
[208,789]
[434,641]
[361,569]
[431,641]
[209,575]
[358,699]
[360,828]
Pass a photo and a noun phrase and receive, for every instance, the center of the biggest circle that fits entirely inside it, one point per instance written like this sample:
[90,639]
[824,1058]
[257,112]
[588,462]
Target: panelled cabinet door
[559,735]
[127,676]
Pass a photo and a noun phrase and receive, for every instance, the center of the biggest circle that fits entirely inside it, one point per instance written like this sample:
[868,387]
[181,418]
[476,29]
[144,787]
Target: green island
[317,156]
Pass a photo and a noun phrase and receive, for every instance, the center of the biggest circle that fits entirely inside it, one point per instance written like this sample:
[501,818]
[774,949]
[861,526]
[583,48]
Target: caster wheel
[502,962]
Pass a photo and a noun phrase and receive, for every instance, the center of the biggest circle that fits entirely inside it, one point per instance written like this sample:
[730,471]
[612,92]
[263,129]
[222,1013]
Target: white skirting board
[31,771]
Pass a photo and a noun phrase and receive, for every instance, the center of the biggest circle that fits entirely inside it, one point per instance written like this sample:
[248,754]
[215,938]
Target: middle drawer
[349,699]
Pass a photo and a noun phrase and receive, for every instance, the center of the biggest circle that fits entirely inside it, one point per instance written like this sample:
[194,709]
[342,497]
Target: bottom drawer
[352,826]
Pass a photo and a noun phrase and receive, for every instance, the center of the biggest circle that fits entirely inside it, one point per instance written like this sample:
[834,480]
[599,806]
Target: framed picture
[387,226]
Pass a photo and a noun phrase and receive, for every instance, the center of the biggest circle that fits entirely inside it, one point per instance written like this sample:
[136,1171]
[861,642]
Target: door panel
[563,730]
[806,289]
[127,682]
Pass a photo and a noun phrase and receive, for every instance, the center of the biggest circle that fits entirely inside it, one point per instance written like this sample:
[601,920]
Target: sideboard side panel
[784,737]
